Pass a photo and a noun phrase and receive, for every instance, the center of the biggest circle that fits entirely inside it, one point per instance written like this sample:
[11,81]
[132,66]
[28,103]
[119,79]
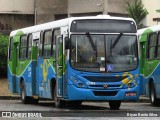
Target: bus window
[29,46]
[10,48]
[46,45]
[55,34]
[53,45]
[152,45]
[40,43]
[23,47]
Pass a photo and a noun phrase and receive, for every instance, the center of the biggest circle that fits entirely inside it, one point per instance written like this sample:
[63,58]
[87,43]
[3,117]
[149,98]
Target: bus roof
[149,30]
[63,22]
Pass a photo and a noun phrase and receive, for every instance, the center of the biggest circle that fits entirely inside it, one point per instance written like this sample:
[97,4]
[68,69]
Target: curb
[144,99]
[9,97]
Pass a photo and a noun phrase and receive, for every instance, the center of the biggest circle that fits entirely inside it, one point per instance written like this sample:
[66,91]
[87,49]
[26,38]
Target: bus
[149,40]
[74,60]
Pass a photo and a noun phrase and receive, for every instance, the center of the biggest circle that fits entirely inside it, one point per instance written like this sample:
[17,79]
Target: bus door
[34,65]
[66,59]
[142,66]
[14,67]
[59,66]
[142,57]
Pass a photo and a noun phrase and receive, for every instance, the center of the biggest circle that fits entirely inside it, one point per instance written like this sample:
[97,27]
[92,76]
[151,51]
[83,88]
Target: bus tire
[25,99]
[114,104]
[57,101]
[153,99]
[35,101]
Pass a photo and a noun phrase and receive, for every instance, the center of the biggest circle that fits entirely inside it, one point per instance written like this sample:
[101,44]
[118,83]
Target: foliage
[137,12]
[3,55]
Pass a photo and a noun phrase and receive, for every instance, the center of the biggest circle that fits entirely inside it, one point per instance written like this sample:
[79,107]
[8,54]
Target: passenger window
[152,45]
[10,48]
[46,45]
[23,47]
[40,44]
[29,46]
[53,47]
[55,34]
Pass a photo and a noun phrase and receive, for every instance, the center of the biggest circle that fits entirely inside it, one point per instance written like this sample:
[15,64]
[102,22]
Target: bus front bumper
[131,94]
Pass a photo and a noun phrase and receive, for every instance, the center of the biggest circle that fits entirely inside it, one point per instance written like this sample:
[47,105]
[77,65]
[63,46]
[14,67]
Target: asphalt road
[92,110]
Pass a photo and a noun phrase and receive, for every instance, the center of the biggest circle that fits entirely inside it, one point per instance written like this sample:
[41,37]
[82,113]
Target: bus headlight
[77,82]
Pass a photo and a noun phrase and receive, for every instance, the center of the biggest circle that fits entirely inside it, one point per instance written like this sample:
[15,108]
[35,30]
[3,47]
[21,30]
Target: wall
[17,6]
[48,9]
[15,14]
[151,6]
[99,6]
[10,22]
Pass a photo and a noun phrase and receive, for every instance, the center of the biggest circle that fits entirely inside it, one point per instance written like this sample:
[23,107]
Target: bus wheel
[58,102]
[25,99]
[114,104]
[35,101]
[153,98]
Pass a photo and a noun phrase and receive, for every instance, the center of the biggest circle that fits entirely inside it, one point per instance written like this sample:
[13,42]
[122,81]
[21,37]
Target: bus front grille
[105,93]
[105,79]
[102,86]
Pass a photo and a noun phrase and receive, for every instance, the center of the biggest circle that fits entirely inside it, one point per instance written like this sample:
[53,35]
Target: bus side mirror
[67,43]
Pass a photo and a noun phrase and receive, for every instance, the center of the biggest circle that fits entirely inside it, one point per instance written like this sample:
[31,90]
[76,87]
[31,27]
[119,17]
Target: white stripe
[152,71]
[23,71]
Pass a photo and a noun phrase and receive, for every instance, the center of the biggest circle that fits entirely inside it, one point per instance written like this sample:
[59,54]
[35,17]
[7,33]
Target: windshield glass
[104,53]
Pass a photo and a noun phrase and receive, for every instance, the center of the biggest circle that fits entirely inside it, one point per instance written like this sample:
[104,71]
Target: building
[95,7]
[152,6]
[49,10]
[16,14]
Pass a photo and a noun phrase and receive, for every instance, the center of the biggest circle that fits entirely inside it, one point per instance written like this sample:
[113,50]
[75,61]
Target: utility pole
[103,6]
[35,13]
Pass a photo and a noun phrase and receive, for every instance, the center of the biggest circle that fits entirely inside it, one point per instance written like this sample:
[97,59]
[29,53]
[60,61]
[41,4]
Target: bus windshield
[104,53]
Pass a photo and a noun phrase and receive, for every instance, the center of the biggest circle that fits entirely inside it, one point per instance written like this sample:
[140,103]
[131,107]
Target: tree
[137,12]
[3,55]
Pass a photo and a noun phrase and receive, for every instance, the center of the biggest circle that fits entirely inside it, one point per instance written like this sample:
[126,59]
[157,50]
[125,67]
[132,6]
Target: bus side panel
[142,63]
[11,81]
[156,77]
[34,85]
[150,68]
[143,57]
[12,67]
[26,76]
[45,72]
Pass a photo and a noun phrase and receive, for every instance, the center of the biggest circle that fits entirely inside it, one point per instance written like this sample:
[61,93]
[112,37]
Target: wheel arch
[21,80]
[151,80]
[52,86]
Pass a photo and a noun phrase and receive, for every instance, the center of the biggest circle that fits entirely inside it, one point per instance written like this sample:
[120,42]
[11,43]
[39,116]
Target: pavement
[4,87]
[6,94]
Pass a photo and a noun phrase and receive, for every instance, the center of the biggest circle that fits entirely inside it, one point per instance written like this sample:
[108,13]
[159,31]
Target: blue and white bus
[149,39]
[74,60]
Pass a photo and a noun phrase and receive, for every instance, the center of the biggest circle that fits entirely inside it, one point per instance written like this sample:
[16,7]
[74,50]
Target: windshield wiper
[116,41]
[91,41]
